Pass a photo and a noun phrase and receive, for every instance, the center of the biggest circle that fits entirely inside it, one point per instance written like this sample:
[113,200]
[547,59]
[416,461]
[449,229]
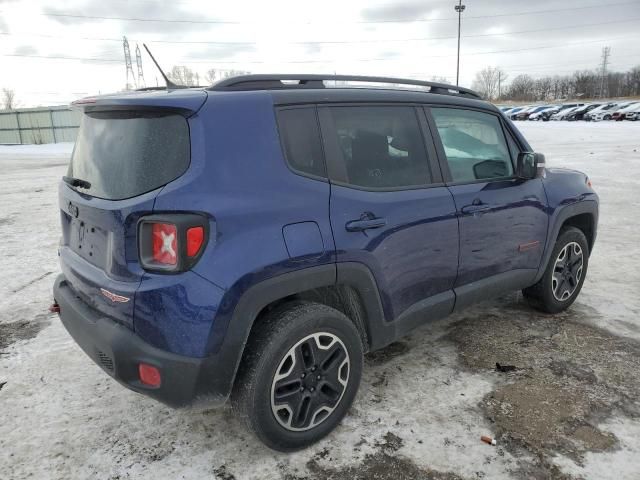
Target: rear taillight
[195,239]
[171,243]
[165,243]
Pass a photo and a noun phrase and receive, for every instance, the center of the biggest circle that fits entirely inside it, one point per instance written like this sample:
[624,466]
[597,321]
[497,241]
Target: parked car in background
[579,112]
[619,114]
[606,114]
[545,113]
[633,114]
[561,114]
[524,114]
[511,114]
[563,109]
[602,111]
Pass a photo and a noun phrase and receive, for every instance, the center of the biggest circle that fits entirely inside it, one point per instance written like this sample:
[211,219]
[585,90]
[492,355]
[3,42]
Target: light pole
[459,8]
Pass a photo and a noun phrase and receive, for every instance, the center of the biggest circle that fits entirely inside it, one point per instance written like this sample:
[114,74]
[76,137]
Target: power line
[322,42]
[532,12]
[237,22]
[188,60]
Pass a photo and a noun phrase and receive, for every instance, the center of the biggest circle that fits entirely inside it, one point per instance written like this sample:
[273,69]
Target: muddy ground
[568,410]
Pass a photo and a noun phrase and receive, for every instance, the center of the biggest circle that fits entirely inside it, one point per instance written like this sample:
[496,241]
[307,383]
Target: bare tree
[522,88]
[8,99]
[213,74]
[183,76]
[489,82]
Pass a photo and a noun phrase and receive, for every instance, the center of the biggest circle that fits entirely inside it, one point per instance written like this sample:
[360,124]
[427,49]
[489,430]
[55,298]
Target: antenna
[127,62]
[169,83]
[141,82]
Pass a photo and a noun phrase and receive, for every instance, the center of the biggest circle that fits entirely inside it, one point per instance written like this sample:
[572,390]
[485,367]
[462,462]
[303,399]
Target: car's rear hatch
[127,149]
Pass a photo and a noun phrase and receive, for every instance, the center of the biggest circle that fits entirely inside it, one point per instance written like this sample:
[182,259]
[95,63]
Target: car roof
[370,95]
[290,89]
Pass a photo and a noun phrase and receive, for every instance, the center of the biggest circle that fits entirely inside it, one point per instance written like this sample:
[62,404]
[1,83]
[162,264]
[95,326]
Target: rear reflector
[165,243]
[149,375]
[54,308]
[195,238]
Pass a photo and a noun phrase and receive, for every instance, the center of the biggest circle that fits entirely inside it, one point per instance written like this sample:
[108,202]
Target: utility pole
[606,51]
[127,62]
[499,81]
[459,8]
[141,82]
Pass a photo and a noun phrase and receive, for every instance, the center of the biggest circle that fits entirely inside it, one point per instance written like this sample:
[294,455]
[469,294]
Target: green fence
[39,125]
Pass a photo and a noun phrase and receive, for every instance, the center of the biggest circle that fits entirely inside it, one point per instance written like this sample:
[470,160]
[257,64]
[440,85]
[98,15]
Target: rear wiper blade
[76,182]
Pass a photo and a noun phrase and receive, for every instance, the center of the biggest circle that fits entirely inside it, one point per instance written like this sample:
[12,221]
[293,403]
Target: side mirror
[530,165]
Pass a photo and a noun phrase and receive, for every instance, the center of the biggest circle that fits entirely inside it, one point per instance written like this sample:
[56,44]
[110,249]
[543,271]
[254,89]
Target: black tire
[544,294]
[268,353]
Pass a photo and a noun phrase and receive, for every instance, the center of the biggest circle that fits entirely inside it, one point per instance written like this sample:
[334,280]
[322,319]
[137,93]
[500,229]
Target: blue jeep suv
[252,240]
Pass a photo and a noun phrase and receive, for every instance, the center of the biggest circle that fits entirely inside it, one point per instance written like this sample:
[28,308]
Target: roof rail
[276,82]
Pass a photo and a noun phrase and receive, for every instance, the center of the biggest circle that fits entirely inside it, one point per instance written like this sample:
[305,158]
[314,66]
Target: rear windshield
[125,154]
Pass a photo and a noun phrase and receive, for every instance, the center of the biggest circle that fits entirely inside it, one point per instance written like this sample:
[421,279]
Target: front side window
[379,147]
[474,144]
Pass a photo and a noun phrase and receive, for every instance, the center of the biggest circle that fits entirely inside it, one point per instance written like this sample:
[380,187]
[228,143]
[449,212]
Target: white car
[619,114]
[546,112]
[562,113]
[633,113]
[606,114]
[610,107]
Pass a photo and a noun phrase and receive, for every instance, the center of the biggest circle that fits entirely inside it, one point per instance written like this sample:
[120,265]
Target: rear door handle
[366,221]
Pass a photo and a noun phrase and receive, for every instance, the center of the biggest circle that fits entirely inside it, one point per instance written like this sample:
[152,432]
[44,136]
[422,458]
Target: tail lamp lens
[165,243]
[195,239]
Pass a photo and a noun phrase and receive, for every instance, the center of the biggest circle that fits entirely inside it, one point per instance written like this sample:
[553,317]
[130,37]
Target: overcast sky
[55,52]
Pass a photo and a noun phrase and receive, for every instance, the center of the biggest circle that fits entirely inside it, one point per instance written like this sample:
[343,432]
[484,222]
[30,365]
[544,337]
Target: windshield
[128,153]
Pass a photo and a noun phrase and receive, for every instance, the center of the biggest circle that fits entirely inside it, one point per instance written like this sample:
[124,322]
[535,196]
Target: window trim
[442,156]
[333,153]
[283,149]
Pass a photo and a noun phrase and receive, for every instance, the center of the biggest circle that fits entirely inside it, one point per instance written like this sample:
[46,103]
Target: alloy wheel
[567,271]
[310,381]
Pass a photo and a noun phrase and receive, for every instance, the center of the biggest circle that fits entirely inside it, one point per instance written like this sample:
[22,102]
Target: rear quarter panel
[239,178]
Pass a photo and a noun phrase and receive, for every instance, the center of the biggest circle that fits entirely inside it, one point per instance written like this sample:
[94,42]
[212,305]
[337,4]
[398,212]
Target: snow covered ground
[424,402]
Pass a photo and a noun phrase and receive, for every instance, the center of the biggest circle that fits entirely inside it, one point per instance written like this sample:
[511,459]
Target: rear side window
[301,140]
[378,147]
[126,154]
[474,144]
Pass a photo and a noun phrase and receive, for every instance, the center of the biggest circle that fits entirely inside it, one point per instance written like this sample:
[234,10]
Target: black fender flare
[578,208]
[265,292]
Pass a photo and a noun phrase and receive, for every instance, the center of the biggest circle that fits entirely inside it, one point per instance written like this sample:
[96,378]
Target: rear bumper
[119,351]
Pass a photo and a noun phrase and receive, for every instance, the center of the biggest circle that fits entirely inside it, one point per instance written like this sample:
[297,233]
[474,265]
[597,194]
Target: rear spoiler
[184,101]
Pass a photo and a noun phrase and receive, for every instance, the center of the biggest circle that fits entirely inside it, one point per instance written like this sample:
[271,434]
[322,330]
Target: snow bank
[48,150]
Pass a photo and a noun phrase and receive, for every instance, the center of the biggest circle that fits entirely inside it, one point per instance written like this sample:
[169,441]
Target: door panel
[414,255]
[386,210]
[502,219]
[503,226]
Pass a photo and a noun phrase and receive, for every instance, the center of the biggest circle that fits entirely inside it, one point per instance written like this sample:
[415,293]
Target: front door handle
[366,221]
[477,206]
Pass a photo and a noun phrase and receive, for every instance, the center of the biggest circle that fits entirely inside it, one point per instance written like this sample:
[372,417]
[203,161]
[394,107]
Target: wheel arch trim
[560,218]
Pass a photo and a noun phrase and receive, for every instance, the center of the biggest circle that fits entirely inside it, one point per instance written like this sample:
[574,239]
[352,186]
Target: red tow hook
[54,308]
